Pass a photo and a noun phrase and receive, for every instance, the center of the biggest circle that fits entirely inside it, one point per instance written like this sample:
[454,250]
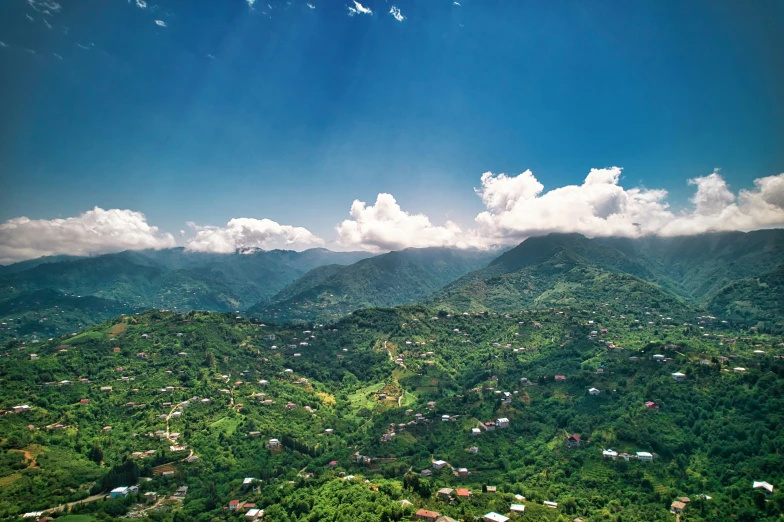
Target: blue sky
[284,112]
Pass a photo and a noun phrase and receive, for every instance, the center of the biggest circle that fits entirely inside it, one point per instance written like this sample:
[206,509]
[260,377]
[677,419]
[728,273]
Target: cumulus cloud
[358,8]
[311,6]
[396,14]
[240,233]
[96,231]
[250,3]
[385,226]
[517,207]
[161,23]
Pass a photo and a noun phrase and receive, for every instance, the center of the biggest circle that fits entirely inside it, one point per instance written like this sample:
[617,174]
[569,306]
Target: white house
[739,370]
[517,508]
[494,517]
[553,505]
[610,454]
[121,491]
[594,391]
[439,464]
[503,422]
[658,357]
[475,431]
[445,418]
[679,377]
[764,486]
[274,443]
[644,456]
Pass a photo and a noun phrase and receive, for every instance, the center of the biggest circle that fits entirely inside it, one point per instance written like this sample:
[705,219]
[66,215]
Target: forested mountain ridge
[226,385]
[392,279]
[170,278]
[572,269]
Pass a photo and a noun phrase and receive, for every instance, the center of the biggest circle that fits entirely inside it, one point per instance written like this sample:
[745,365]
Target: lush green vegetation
[112,284]
[396,278]
[713,435]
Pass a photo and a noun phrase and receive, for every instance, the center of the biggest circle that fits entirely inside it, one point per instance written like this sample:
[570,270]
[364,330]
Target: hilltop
[391,279]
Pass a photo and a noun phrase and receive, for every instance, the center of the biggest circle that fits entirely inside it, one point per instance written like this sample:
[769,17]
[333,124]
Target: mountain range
[734,275]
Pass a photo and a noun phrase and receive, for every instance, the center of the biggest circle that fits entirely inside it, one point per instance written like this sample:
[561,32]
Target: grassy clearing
[227,425]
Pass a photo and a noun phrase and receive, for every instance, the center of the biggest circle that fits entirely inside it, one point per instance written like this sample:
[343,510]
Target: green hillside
[389,279]
[755,299]
[713,434]
[167,279]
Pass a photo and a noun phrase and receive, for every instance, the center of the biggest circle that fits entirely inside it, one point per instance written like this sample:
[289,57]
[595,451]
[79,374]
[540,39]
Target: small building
[181,492]
[254,434]
[439,464]
[33,357]
[444,418]
[462,472]
[644,456]
[503,422]
[121,491]
[594,391]
[651,405]
[445,493]
[424,514]
[766,488]
[494,517]
[739,370]
[517,508]
[475,431]
[426,473]
[333,463]
[610,454]
[463,493]
[473,449]
[560,377]
[678,377]
[491,489]
[573,441]
[553,505]
[253,514]
[677,507]
[233,505]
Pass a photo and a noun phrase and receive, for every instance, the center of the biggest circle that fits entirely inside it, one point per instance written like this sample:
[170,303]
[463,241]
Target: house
[253,514]
[764,486]
[445,493]
[462,472]
[517,508]
[445,519]
[247,481]
[594,391]
[560,378]
[573,441]
[33,357]
[439,464]
[473,449]
[444,418]
[494,517]
[426,473]
[739,370]
[424,514]
[658,357]
[181,492]
[610,454]
[150,496]
[254,434]
[84,401]
[234,504]
[431,405]
[553,505]
[475,431]
[121,491]
[644,456]
[651,405]
[382,396]
[463,493]
[679,377]
[106,388]
[503,422]
[329,431]
[333,463]
[274,443]
[677,507]
[489,426]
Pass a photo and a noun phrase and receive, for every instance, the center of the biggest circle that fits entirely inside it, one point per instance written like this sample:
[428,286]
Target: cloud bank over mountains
[96,231]
[516,207]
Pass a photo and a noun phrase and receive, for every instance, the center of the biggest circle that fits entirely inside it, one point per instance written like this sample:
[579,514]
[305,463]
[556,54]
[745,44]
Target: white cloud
[141,4]
[358,9]
[3,44]
[518,207]
[395,12]
[385,226]
[29,17]
[96,231]
[47,24]
[242,233]
[46,7]
[161,23]
[57,56]
[311,6]
[250,3]
[456,3]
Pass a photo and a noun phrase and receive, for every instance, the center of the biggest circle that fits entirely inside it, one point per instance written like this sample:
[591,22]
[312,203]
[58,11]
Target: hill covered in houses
[618,411]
